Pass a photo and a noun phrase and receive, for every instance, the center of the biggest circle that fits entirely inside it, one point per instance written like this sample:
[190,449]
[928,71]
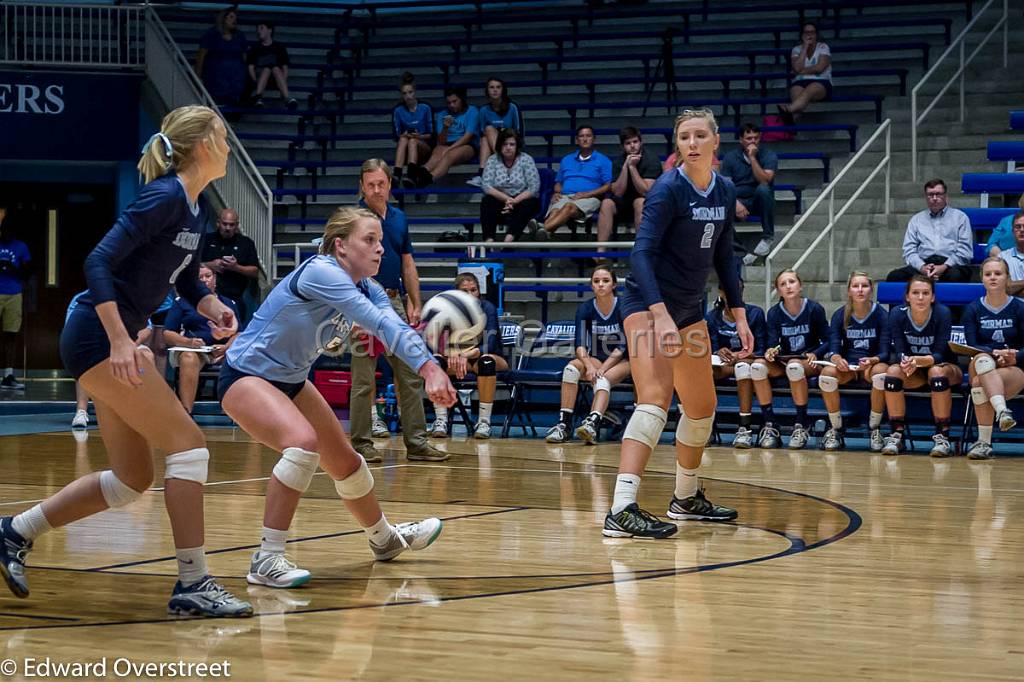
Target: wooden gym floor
[841,566]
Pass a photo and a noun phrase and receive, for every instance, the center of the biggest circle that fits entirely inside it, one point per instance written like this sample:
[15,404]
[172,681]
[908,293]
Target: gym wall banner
[57,115]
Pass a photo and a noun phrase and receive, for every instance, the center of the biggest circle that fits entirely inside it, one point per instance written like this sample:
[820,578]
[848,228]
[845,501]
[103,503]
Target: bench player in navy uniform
[859,349]
[920,332]
[152,247]
[263,387]
[600,359]
[995,324]
[726,343]
[685,232]
[797,337]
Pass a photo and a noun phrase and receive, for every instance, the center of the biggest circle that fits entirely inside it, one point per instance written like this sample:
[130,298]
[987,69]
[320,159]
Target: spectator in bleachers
[457,137]
[221,59]
[1002,236]
[752,168]
[633,173]
[413,123]
[938,242]
[811,64]
[1014,257]
[600,359]
[797,337]
[859,351]
[726,344]
[498,114]
[584,176]
[15,261]
[994,324]
[920,332]
[269,59]
[511,188]
[233,258]
[185,327]
[482,356]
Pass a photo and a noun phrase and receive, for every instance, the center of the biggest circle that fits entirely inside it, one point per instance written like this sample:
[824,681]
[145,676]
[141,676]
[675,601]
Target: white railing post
[831,237]
[960,74]
[888,170]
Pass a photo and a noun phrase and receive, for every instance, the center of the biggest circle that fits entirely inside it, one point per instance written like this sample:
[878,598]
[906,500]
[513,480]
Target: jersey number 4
[709,232]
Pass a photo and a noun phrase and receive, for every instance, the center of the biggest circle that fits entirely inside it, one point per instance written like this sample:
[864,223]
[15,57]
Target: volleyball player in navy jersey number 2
[152,246]
[263,387]
[686,230]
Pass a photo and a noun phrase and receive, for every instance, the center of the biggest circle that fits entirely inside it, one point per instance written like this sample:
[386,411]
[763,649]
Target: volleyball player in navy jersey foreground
[995,324]
[686,230]
[797,338]
[263,387]
[920,331]
[151,247]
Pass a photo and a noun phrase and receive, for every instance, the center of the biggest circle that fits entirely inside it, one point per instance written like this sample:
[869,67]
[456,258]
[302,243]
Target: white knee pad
[878,382]
[978,396]
[190,465]
[693,432]
[984,364]
[296,468]
[115,491]
[358,484]
[602,384]
[741,371]
[759,371]
[570,375]
[795,371]
[828,384]
[646,424]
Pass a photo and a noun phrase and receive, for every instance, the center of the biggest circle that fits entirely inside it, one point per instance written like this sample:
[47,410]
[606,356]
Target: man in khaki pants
[397,268]
[14,260]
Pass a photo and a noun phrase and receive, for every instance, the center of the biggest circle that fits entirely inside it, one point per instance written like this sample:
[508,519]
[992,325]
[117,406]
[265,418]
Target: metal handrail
[243,188]
[958,43]
[833,216]
[78,35]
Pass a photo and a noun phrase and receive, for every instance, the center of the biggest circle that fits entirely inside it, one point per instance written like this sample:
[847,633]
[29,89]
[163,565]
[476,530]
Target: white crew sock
[985,433]
[875,419]
[380,532]
[626,487]
[998,403]
[191,564]
[31,523]
[485,412]
[440,412]
[836,419]
[687,482]
[272,541]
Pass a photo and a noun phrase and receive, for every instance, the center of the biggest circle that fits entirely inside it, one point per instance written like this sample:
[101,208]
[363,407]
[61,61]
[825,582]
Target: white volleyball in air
[455,315]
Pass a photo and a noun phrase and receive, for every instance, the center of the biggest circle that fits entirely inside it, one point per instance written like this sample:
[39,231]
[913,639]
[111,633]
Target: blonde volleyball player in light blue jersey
[263,387]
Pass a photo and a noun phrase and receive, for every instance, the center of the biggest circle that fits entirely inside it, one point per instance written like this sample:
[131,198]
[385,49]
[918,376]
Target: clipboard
[186,349]
[964,349]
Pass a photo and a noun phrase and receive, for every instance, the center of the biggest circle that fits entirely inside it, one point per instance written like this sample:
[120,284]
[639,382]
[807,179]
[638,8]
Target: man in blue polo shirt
[14,260]
[584,177]
[397,271]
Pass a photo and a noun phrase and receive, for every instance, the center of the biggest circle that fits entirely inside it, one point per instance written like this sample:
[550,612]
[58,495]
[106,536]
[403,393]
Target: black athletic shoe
[699,508]
[13,549]
[634,522]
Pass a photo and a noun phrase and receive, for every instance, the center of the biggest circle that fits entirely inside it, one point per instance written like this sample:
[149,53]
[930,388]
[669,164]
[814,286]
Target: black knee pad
[939,384]
[893,384]
[486,367]
[443,361]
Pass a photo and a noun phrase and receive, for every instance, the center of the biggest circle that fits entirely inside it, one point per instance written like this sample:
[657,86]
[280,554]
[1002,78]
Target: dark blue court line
[35,617]
[797,545]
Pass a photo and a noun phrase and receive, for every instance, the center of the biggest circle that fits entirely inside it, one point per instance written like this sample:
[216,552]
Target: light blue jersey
[314,304]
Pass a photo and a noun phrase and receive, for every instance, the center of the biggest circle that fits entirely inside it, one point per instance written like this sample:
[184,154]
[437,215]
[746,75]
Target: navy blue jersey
[723,333]
[684,232]
[805,333]
[990,328]
[419,121]
[931,338]
[600,334]
[861,338]
[184,319]
[151,248]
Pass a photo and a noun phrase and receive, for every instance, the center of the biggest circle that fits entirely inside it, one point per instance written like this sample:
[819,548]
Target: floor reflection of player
[686,231]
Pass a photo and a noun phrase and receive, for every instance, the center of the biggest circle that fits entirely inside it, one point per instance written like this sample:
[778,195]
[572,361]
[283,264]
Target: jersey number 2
[709,232]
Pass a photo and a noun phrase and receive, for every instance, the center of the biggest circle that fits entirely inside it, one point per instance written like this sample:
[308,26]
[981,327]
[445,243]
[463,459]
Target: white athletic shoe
[81,420]
[798,439]
[482,431]
[439,429]
[763,247]
[415,536]
[1006,420]
[275,570]
[378,429]
[743,439]
[876,442]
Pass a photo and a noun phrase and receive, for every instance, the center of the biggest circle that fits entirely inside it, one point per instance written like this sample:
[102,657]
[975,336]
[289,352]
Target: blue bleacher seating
[539,367]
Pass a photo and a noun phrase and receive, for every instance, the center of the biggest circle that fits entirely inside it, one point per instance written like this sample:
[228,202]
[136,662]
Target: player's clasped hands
[1005,357]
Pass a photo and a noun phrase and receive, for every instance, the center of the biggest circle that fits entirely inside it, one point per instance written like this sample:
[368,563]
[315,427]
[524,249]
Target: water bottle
[391,408]
[381,406]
